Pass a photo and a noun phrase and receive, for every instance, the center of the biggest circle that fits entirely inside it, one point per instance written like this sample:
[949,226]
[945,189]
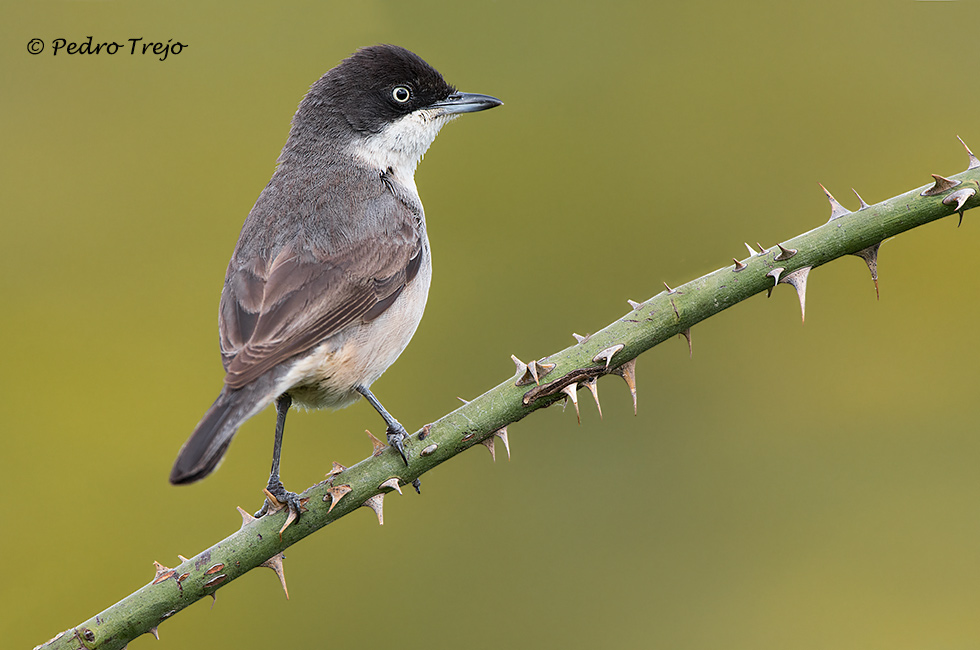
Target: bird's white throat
[401,144]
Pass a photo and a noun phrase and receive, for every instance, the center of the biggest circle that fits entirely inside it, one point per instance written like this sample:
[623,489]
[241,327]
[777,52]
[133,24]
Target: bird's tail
[203,451]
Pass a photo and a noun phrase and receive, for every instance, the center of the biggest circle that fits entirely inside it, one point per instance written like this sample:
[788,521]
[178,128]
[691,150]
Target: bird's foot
[396,438]
[278,497]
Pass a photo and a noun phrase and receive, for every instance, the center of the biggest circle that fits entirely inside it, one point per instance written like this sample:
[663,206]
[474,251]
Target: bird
[329,278]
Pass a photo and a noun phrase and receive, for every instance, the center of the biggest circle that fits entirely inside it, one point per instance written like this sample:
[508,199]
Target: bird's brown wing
[274,309]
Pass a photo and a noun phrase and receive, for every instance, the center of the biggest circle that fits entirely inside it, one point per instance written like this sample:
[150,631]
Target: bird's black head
[384,104]
[379,84]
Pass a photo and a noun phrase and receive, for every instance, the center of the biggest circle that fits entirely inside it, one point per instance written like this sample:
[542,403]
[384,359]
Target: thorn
[378,446]
[959,197]
[941,186]
[246,518]
[155,632]
[162,573]
[762,249]
[520,365]
[488,443]
[863,204]
[572,391]
[635,305]
[391,483]
[752,253]
[581,339]
[336,493]
[608,354]
[836,209]
[293,515]
[275,563]
[377,503]
[464,401]
[798,279]
[690,348]
[774,274]
[273,502]
[532,369]
[531,372]
[184,559]
[628,372]
[592,385]
[784,253]
[521,373]
[670,291]
[502,434]
[974,163]
[738,265]
[336,470]
[539,369]
[870,257]
[544,368]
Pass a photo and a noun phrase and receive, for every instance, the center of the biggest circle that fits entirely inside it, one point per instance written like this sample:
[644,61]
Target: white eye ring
[401,94]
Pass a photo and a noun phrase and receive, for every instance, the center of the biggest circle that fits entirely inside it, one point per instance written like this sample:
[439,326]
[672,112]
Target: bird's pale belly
[328,376]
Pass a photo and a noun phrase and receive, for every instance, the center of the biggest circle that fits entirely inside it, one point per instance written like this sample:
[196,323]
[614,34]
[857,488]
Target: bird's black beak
[465,103]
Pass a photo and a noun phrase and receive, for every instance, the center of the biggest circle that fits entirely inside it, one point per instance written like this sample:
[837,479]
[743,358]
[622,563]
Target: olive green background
[791,486]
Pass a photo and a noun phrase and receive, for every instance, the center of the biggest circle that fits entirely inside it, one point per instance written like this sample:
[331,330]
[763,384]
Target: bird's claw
[277,498]
[396,438]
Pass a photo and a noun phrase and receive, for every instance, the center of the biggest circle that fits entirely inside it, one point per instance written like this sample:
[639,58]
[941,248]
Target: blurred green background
[791,486]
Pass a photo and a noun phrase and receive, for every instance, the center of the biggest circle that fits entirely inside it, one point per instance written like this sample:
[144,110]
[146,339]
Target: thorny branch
[612,350]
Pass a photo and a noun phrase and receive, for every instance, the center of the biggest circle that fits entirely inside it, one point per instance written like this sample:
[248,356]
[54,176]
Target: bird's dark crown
[362,87]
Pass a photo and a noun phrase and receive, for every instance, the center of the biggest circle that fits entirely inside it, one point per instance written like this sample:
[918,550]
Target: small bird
[330,275]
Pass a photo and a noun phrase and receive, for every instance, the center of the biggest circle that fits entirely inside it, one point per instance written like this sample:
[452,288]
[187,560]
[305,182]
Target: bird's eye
[401,94]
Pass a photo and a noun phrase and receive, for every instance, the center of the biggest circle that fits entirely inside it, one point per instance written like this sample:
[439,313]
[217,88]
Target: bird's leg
[396,432]
[275,487]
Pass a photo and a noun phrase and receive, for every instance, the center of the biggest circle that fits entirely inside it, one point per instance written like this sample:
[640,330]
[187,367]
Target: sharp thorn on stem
[502,434]
[974,163]
[275,563]
[392,484]
[836,209]
[774,274]
[607,354]
[628,372]
[377,503]
[690,347]
[592,385]
[870,257]
[940,186]
[863,204]
[488,443]
[784,253]
[959,198]
[572,393]
[798,279]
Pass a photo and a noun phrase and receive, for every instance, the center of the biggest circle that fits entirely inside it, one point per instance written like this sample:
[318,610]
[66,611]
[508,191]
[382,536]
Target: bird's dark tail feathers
[203,451]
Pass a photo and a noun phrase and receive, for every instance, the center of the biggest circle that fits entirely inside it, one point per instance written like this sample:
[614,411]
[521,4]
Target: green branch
[540,383]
